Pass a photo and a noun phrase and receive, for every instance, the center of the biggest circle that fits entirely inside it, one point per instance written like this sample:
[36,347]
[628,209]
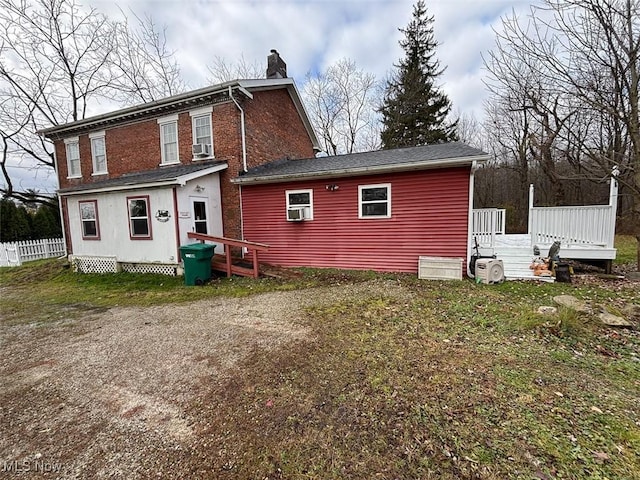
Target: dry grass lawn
[343,377]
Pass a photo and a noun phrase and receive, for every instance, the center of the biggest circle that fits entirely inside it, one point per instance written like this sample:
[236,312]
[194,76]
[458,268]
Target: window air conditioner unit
[295,214]
[489,270]
[201,149]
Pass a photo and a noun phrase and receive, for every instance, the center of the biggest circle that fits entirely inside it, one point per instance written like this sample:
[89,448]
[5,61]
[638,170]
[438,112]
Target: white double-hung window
[299,205]
[139,219]
[98,153]
[169,140]
[202,132]
[374,201]
[73,157]
[89,219]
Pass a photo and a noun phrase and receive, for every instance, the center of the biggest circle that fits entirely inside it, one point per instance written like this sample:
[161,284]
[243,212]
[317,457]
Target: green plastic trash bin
[197,262]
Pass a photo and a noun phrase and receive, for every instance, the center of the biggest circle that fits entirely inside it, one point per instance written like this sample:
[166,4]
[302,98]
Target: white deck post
[613,203]
[529,215]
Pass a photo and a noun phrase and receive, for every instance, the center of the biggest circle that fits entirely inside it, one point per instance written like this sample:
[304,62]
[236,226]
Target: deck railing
[487,222]
[588,225]
[579,225]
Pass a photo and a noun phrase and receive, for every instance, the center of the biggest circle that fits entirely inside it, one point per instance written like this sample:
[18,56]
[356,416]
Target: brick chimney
[276,68]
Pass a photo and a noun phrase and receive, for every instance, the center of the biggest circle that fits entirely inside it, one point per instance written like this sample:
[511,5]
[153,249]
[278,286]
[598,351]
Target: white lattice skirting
[159,268]
[86,264]
[108,264]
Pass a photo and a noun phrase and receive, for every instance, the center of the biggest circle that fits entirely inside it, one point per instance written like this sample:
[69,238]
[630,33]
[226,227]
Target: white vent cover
[489,270]
[439,268]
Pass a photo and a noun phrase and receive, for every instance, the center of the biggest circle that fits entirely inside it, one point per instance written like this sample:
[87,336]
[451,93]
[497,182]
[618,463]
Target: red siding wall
[429,216]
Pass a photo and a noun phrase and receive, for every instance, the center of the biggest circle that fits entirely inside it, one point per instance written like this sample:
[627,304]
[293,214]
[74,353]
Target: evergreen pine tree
[414,111]
[14,222]
[45,224]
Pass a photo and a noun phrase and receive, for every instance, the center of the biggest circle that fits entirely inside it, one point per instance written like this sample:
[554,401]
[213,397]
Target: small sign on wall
[184,214]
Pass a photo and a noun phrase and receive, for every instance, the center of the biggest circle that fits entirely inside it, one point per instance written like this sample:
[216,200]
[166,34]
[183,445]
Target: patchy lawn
[322,375]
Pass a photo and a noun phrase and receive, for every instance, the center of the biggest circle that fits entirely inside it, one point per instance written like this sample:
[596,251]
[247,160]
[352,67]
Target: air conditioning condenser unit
[489,270]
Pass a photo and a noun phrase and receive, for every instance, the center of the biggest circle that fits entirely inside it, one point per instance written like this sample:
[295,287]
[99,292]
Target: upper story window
[169,139]
[98,153]
[374,201]
[299,205]
[89,219]
[73,157]
[139,220]
[202,132]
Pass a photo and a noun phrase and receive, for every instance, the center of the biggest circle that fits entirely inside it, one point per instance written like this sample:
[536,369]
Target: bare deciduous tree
[342,105]
[575,65]
[145,68]
[223,71]
[56,60]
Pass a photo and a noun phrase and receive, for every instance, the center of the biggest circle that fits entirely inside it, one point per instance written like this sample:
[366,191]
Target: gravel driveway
[108,395]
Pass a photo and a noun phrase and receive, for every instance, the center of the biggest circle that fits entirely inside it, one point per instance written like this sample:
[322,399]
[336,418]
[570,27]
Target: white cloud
[312,34]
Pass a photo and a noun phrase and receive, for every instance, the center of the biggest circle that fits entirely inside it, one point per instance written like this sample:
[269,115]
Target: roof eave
[180,180]
[354,172]
[140,110]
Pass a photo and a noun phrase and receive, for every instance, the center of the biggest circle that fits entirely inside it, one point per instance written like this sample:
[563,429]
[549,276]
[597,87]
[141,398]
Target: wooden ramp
[226,263]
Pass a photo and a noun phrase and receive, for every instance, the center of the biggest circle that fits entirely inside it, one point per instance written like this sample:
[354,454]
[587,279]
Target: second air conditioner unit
[201,149]
[295,214]
[489,270]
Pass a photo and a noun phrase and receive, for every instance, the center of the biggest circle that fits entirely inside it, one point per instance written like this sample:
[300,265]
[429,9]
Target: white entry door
[200,215]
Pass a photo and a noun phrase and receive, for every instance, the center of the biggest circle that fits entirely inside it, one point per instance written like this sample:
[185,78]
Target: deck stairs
[516,262]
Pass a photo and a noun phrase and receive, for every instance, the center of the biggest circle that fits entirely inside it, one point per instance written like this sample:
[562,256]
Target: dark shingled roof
[423,157]
[158,175]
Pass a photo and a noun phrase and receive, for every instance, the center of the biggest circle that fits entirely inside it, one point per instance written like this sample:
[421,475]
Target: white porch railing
[580,225]
[15,253]
[487,222]
[586,225]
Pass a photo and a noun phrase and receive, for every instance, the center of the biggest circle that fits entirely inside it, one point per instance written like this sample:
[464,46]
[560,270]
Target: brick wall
[273,130]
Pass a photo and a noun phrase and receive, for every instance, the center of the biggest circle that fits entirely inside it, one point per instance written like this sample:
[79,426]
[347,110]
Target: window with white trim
[169,140]
[374,201]
[299,205]
[98,153]
[202,132]
[73,158]
[89,219]
[139,219]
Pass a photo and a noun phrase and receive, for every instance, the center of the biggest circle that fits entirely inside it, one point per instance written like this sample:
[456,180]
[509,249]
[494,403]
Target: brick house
[134,182]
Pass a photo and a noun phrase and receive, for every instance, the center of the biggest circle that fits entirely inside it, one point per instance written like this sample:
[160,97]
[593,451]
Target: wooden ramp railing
[227,265]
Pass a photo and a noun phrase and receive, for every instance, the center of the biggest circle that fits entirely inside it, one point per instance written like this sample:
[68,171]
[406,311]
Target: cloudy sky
[312,34]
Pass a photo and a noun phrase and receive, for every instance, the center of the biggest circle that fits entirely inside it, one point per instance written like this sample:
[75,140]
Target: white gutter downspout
[242,133]
[474,165]
[244,162]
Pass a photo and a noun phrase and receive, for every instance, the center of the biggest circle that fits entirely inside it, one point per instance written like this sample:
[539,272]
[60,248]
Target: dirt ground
[108,395]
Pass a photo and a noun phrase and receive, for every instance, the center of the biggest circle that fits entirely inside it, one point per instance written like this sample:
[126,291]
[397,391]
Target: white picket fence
[15,253]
